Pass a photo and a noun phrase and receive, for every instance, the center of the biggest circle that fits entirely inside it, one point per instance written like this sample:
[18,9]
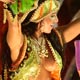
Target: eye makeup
[53,16]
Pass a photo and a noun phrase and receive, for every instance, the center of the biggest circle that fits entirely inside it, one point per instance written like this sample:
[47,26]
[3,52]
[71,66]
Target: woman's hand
[14,34]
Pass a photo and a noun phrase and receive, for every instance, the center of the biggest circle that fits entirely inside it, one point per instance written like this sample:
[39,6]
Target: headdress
[47,7]
[23,6]
[41,11]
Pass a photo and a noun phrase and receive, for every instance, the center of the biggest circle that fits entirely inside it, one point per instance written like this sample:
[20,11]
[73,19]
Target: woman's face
[48,22]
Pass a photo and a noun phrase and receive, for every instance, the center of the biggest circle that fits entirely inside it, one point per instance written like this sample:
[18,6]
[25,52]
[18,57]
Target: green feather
[25,6]
[14,7]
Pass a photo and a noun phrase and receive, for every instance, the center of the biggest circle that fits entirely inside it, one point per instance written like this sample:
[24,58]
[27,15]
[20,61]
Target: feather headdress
[46,8]
[41,11]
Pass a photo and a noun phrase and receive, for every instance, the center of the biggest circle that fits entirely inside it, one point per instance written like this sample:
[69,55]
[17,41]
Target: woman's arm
[70,31]
[14,36]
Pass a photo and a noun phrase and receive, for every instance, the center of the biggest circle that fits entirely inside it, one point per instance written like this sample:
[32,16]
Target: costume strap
[56,55]
[56,73]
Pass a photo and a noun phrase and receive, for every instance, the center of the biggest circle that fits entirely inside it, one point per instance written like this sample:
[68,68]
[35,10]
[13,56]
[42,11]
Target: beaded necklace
[40,47]
[37,47]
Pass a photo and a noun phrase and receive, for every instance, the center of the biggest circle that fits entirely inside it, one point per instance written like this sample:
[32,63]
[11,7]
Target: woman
[35,52]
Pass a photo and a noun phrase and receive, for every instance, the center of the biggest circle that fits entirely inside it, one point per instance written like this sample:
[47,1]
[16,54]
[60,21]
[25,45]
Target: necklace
[39,46]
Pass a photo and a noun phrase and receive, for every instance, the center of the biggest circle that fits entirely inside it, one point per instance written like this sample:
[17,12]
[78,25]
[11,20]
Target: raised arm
[70,31]
[14,36]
